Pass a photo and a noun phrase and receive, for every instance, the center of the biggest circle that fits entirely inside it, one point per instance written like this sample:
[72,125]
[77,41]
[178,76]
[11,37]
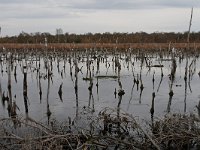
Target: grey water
[63,84]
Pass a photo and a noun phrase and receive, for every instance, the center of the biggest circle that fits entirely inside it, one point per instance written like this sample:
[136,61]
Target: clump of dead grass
[177,131]
[110,129]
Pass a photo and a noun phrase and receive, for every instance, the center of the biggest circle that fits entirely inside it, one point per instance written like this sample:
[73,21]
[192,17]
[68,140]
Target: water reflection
[25,89]
[68,79]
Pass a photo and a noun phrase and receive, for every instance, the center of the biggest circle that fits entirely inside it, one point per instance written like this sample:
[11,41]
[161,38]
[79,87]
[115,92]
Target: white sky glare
[83,16]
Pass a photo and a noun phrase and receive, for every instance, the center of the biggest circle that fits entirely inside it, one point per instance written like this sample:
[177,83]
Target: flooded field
[62,85]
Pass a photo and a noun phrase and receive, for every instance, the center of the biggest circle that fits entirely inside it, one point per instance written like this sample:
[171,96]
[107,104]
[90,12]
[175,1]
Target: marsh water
[61,85]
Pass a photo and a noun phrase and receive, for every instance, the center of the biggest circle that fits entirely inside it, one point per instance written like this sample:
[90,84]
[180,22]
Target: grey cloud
[106,4]
[32,11]
[180,3]
[19,1]
[131,4]
[63,8]
[26,14]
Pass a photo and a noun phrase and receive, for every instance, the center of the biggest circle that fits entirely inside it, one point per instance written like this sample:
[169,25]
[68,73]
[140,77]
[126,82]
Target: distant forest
[138,37]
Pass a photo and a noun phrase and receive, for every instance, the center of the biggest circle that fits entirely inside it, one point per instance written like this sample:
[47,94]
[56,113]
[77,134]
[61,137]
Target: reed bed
[111,46]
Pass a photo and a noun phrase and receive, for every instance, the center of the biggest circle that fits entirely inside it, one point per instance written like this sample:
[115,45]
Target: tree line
[138,37]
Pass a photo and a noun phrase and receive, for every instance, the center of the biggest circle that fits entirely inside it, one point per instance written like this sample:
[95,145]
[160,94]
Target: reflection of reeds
[153,80]
[171,93]
[185,79]
[48,90]
[141,90]
[173,70]
[1,95]
[60,92]
[152,104]
[9,85]
[76,85]
[25,90]
[40,88]
[91,97]
[15,73]
[160,80]
[191,70]
[137,82]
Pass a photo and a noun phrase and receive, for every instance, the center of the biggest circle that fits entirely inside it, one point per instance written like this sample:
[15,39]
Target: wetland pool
[61,85]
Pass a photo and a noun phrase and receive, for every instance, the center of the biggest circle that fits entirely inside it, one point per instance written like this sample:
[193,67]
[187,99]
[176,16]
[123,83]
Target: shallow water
[62,69]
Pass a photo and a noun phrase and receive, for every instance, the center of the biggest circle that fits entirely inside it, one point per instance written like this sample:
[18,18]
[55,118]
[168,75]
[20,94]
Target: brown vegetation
[138,37]
[106,130]
[122,46]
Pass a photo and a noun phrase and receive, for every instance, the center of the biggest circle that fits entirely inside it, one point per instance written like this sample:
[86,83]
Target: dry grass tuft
[110,129]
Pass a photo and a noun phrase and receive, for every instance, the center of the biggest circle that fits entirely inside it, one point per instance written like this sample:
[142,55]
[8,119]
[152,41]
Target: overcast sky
[83,16]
